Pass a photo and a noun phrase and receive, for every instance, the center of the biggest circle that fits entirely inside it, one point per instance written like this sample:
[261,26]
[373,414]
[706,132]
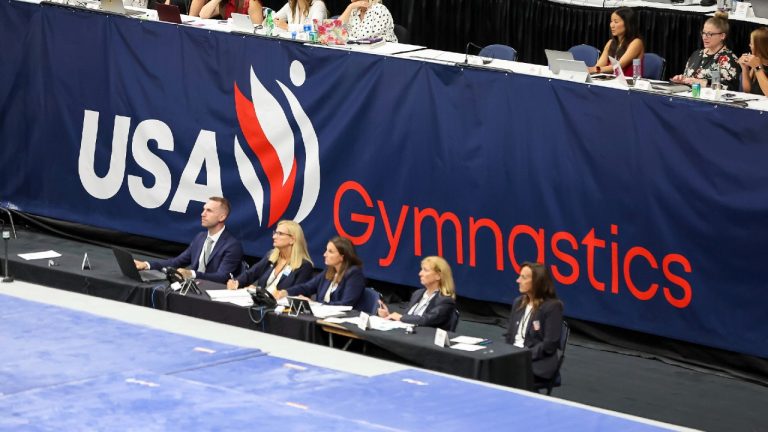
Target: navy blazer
[438,313]
[258,274]
[543,339]
[348,293]
[226,257]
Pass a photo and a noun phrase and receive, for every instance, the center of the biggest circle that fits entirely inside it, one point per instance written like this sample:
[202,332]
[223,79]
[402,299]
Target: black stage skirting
[500,364]
[531,26]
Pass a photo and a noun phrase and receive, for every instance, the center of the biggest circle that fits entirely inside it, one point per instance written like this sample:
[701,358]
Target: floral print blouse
[700,66]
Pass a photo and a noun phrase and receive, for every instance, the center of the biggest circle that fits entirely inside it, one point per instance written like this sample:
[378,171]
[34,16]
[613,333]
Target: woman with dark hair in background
[435,304]
[714,56]
[536,319]
[625,44]
[753,76]
[343,281]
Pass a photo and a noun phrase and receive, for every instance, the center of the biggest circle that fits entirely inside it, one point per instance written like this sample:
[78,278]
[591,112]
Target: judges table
[499,364]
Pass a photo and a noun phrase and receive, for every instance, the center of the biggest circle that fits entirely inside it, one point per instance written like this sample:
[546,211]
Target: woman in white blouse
[435,304]
[293,12]
[369,18]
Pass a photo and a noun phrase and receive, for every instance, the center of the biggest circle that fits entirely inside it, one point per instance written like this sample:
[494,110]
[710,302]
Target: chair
[402,34]
[499,52]
[586,53]
[555,381]
[653,66]
[370,301]
[454,321]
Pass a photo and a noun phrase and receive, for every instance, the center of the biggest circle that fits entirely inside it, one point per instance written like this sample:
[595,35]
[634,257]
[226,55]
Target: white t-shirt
[520,333]
[317,10]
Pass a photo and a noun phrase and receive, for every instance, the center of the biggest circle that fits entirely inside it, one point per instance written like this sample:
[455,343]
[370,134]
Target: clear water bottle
[715,83]
[636,73]
[269,24]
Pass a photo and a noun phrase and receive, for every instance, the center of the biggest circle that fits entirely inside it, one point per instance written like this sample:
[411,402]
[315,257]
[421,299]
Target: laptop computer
[128,268]
[242,23]
[553,55]
[760,8]
[168,13]
[572,70]
[116,6]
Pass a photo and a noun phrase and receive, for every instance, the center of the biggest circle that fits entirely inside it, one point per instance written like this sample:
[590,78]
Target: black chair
[654,66]
[454,321]
[402,34]
[555,381]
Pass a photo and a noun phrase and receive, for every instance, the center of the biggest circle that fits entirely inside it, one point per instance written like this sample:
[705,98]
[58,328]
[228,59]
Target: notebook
[553,55]
[116,6]
[128,268]
[168,13]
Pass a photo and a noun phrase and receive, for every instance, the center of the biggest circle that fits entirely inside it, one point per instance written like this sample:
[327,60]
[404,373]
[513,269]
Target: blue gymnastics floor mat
[68,370]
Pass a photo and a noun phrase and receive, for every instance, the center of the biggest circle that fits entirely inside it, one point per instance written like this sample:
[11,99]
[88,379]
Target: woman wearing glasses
[754,78]
[435,304]
[715,56]
[536,319]
[286,265]
[342,283]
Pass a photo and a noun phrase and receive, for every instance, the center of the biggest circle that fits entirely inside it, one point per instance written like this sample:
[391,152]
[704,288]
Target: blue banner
[650,210]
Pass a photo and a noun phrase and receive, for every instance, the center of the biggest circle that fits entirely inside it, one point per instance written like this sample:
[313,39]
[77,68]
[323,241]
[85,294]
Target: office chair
[555,381]
[586,53]
[499,52]
[653,66]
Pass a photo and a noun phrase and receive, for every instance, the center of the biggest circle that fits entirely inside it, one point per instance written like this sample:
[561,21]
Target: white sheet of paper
[362,321]
[240,297]
[320,310]
[467,340]
[440,337]
[40,255]
[467,347]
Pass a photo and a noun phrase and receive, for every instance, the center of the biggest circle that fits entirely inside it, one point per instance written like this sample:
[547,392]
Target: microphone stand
[6,237]
[10,218]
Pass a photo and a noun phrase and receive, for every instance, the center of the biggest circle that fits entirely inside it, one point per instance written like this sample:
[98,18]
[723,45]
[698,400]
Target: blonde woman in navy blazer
[342,283]
[536,319]
[435,304]
[284,266]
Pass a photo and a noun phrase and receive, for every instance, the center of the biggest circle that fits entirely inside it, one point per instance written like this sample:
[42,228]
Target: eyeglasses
[279,234]
[710,34]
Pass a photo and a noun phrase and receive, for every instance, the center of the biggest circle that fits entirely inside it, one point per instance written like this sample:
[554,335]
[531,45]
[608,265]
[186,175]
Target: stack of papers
[321,311]
[240,297]
[468,343]
[40,255]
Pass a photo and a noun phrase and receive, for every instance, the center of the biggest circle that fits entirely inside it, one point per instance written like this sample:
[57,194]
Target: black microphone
[466,53]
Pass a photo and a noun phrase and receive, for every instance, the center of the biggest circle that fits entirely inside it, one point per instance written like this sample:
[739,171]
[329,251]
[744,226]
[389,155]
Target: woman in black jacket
[536,319]
[435,304]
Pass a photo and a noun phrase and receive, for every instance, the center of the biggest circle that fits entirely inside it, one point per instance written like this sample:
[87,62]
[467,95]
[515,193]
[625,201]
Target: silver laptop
[116,6]
[553,55]
[242,23]
[760,8]
[572,70]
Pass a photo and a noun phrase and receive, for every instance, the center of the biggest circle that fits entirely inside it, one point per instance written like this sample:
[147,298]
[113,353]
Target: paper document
[467,347]
[240,297]
[320,310]
[467,340]
[40,255]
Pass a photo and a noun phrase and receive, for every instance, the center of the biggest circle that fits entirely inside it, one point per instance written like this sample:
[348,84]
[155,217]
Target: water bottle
[269,24]
[636,75]
[307,29]
[714,76]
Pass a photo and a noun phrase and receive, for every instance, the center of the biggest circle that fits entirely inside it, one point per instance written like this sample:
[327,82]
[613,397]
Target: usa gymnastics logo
[270,137]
